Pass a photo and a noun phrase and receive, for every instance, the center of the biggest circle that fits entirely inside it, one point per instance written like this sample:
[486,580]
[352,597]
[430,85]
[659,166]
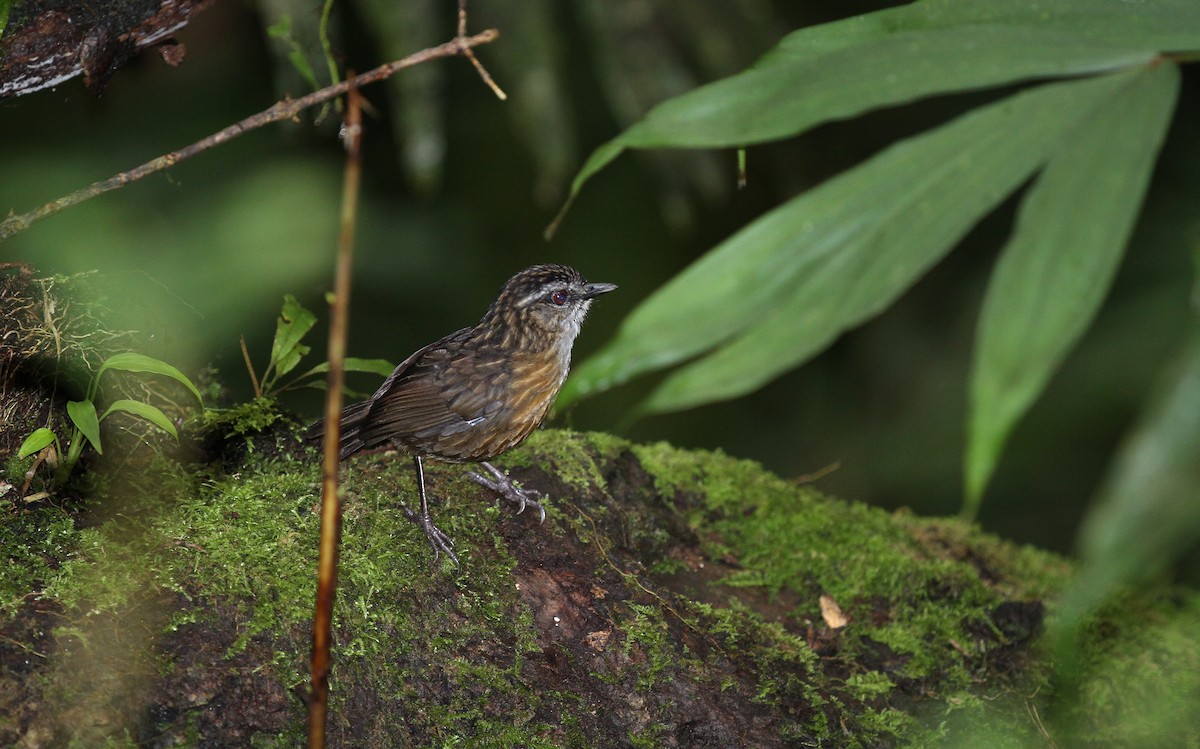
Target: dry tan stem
[331,509]
[250,368]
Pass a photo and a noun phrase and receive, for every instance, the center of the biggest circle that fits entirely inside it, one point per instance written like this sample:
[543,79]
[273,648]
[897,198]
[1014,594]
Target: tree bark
[48,42]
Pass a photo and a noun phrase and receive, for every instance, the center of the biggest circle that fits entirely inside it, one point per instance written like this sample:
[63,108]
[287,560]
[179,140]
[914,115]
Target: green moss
[896,581]
[559,452]
[251,538]
[497,735]
[108,742]
[649,738]
[648,640]
[889,721]
[15,468]
[1142,672]
[244,419]
[35,542]
[717,571]
[869,685]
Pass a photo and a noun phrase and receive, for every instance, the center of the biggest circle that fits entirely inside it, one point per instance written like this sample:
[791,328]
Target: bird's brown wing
[437,392]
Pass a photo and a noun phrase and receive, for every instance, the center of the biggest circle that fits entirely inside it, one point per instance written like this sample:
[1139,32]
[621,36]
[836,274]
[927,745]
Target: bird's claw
[438,538]
[507,488]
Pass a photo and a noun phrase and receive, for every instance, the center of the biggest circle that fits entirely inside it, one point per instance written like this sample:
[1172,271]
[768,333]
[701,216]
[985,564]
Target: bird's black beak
[596,289]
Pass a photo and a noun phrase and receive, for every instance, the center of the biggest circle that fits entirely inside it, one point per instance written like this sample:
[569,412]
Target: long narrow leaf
[83,416]
[1148,510]
[791,281]
[784,96]
[131,362]
[1149,507]
[354,364]
[1071,234]
[381,367]
[875,230]
[145,411]
[838,70]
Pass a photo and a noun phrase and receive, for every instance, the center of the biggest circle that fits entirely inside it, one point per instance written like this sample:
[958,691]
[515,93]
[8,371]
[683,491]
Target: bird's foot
[507,488]
[437,537]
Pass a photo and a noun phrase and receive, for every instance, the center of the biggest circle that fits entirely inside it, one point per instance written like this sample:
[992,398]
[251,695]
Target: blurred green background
[459,186]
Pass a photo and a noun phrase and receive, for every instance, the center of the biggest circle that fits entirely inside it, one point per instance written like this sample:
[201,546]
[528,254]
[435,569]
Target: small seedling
[85,419]
[287,350]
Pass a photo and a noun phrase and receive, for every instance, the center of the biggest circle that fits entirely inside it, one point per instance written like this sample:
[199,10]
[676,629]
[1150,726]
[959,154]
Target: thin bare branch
[283,110]
[250,368]
[467,53]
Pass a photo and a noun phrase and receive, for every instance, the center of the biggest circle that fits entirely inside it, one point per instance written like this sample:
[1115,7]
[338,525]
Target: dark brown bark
[51,41]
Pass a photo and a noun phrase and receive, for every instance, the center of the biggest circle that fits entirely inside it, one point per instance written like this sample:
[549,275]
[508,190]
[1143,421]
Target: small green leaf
[5,7]
[36,441]
[293,324]
[326,45]
[376,366]
[1071,233]
[352,364]
[145,411]
[380,367]
[282,30]
[83,416]
[131,362]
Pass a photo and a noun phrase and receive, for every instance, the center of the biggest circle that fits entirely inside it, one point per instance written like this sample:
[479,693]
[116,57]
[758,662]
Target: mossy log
[671,598]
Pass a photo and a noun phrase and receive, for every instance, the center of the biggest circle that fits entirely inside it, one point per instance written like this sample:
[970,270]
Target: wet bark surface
[48,42]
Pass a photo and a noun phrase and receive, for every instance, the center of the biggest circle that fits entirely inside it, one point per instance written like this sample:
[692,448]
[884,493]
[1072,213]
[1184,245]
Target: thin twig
[1031,708]
[820,473]
[282,110]
[250,368]
[331,507]
[467,53]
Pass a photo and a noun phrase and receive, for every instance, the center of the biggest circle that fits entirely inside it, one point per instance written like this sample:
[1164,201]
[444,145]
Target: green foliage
[37,440]
[5,8]
[87,422]
[1148,511]
[286,350]
[282,30]
[243,419]
[286,32]
[35,542]
[326,45]
[1057,268]
[784,287]
[636,59]
[293,324]
[85,419]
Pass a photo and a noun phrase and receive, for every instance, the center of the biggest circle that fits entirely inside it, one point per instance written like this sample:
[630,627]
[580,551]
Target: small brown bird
[481,390]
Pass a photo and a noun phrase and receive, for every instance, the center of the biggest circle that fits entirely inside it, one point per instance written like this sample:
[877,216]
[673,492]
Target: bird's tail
[351,421]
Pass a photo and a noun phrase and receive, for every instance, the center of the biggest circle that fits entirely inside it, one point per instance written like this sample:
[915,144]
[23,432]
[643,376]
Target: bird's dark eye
[559,297]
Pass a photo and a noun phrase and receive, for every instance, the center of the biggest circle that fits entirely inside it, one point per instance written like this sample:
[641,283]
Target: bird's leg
[437,539]
[504,486]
